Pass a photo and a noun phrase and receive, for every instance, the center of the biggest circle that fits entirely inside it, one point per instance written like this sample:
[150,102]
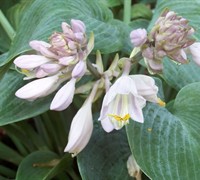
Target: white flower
[120,103]
[80,130]
[125,99]
[64,96]
[195,51]
[38,88]
[146,87]
[133,168]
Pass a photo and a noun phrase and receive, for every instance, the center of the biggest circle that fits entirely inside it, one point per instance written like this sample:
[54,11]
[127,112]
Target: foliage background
[166,146]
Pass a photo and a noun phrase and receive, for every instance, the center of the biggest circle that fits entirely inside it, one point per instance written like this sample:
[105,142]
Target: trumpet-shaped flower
[120,103]
[38,88]
[64,96]
[80,130]
[125,99]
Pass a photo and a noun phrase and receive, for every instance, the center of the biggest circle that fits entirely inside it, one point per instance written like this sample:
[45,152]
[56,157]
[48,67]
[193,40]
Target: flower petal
[30,61]
[64,96]
[107,125]
[79,70]
[146,87]
[38,88]
[51,68]
[135,108]
[80,130]
[43,48]
[194,50]
[77,26]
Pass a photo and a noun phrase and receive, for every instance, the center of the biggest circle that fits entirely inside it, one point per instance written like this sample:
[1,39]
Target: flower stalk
[7,26]
[127,11]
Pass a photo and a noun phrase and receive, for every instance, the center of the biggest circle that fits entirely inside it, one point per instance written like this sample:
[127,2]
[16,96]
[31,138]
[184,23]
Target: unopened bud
[79,70]
[138,37]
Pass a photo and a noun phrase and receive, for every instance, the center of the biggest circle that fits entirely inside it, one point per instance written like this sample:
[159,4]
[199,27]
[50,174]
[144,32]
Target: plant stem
[7,26]
[127,11]
[93,70]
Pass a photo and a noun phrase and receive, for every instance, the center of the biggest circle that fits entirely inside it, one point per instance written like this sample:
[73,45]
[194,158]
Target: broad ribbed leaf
[179,76]
[35,166]
[166,145]
[13,109]
[105,156]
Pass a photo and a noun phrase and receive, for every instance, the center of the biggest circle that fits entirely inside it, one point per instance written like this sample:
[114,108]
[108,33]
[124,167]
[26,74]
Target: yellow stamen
[119,118]
[25,71]
[161,103]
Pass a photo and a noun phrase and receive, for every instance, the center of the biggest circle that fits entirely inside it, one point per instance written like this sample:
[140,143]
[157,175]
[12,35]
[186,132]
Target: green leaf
[112,3]
[125,32]
[179,76]
[36,24]
[8,154]
[36,166]
[13,109]
[166,145]
[105,156]
[141,11]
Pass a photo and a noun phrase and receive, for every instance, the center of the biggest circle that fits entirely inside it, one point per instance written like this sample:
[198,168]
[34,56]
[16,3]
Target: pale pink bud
[43,48]
[77,26]
[66,28]
[40,73]
[138,37]
[38,88]
[80,130]
[79,70]
[37,44]
[148,53]
[195,51]
[30,61]
[79,37]
[51,68]
[67,60]
[72,45]
[64,96]
[57,40]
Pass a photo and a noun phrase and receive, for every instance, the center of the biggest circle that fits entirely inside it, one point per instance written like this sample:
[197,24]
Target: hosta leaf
[13,109]
[35,166]
[179,76]
[105,156]
[166,145]
[38,23]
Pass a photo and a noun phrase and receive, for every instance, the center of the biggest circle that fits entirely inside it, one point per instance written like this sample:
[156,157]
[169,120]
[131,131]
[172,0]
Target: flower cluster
[62,59]
[170,36]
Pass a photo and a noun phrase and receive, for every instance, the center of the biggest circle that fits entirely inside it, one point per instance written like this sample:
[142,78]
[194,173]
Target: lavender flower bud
[138,37]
